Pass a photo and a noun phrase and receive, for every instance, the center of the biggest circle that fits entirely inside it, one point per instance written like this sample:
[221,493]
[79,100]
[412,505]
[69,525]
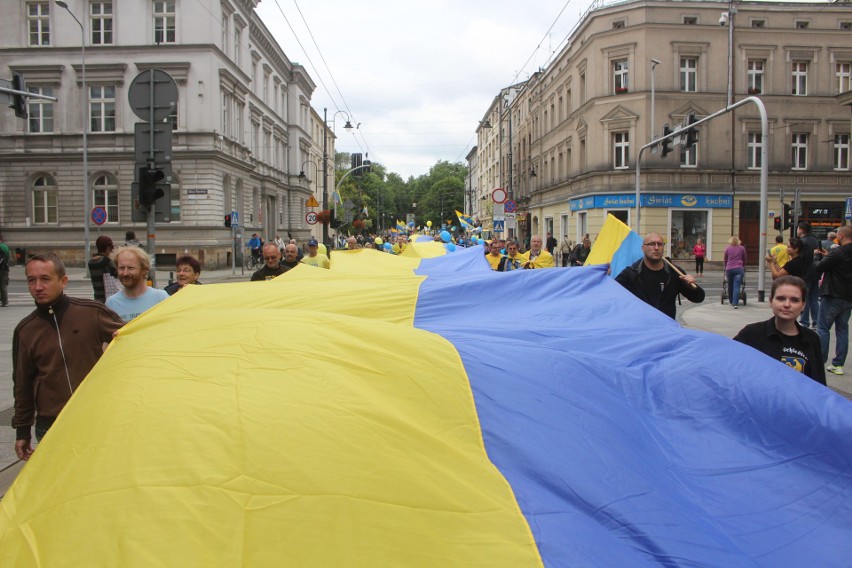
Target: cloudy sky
[417,76]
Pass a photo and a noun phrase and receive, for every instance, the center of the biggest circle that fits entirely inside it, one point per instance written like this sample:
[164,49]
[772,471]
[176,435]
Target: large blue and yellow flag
[617,245]
[395,411]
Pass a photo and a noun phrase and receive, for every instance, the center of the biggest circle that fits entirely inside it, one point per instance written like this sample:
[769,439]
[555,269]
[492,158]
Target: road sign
[99,216]
[499,195]
[849,208]
[153,146]
[235,218]
[311,218]
[510,206]
[311,202]
[499,225]
[153,95]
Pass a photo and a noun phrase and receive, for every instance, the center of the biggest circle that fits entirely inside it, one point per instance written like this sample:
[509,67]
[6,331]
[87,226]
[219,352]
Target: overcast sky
[417,75]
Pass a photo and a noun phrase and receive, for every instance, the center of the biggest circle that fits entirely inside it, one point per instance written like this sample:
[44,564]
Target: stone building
[243,125]
[577,125]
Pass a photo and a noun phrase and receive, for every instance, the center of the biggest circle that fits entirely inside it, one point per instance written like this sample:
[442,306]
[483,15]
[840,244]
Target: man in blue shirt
[135,296]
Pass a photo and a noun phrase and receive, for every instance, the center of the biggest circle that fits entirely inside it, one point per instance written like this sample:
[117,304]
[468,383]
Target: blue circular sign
[510,206]
[99,215]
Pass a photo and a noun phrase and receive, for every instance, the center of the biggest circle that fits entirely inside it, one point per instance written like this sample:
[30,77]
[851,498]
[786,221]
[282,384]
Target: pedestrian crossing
[18,298]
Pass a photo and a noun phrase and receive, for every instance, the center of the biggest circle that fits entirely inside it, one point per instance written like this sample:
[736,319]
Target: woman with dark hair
[187,271]
[781,336]
[795,265]
[100,265]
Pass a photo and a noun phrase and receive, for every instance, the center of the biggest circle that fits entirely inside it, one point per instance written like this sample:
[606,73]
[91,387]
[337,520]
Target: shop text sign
[652,200]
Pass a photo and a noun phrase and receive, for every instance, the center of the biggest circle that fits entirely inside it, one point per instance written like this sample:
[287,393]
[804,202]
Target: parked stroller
[743,296]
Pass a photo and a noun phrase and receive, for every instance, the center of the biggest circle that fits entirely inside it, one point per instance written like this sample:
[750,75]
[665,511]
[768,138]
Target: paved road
[709,316]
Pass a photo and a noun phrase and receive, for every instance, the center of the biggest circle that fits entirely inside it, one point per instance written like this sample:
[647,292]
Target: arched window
[44,200]
[105,194]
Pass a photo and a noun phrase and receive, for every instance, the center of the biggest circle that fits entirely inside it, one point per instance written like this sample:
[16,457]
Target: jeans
[834,311]
[811,313]
[735,279]
[699,265]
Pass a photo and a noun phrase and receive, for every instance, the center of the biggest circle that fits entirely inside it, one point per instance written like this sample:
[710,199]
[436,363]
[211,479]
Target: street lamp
[347,126]
[85,102]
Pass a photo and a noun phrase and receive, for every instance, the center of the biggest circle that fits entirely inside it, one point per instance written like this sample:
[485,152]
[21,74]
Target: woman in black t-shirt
[793,267]
[781,337]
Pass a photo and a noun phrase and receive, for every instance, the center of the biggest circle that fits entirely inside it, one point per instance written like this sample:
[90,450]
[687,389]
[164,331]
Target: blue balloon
[450,247]
[446,237]
[411,223]
[387,246]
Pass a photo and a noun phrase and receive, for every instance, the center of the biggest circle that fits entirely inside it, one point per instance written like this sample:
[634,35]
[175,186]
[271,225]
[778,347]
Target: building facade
[577,126]
[242,126]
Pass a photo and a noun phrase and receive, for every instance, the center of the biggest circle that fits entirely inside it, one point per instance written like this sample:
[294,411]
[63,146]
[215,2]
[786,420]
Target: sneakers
[736,307]
[835,370]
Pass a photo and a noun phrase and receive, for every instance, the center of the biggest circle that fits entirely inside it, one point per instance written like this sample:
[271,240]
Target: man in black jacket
[654,282]
[810,316]
[836,306]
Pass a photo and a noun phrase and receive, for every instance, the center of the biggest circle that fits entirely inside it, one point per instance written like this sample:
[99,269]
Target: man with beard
[291,257]
[271,268]
[53,349]
[537,257]
[135,296]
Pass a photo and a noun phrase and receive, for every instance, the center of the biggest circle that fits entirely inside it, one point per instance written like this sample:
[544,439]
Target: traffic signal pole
[764,175]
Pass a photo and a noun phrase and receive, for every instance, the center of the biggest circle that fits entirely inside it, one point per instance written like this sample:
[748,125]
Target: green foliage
[388,197]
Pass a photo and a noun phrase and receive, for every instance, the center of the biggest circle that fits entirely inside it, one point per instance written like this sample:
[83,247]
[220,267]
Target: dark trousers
[42,425]
[699,265]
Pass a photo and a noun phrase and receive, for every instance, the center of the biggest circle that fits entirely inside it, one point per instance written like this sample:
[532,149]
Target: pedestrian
[810,316]
[291,257]
[581,252]
[836,304]
[550,243]
[657,283]
[779,251]
[135,295]
[795,264]
[130,240]
[187,271]
[565,248]
[271,268]
[314,258]
[5,261]
[255,245]
[53,349]
[699,251]
[781,336]
[279,242]
[735,261]
[512,259]
[102,269]
[537,257]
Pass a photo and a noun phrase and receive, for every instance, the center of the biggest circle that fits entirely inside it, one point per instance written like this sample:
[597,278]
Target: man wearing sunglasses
[271,264]
[656,283]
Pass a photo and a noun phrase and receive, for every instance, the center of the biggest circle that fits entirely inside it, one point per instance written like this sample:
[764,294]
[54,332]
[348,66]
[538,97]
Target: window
[173,119]
[101,13]
[841,152]
[164,21]
[688,74]
[38,19]
[105,194]
[799,159]
[756,69]
[226,115]
[175,196]
[758,23]
[238,38]
[618,25]
[621,149]
[690,20]
[619,76]
[44,200]
[102,108]
[800,78]
[40,111]
[801,24]
[755,149]
[844,77]
[846,25]
[689,157]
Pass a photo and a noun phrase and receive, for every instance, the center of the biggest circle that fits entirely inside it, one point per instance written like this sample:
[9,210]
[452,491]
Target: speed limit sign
[311,218]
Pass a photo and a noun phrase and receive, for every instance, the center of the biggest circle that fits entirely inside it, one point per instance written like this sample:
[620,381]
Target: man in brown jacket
[53,349]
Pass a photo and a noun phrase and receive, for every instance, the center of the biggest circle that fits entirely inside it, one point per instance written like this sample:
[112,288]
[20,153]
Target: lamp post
[316,173]
[347,126]
[85,103]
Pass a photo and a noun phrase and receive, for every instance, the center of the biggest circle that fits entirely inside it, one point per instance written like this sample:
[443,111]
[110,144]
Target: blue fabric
[630,441]
[628,252]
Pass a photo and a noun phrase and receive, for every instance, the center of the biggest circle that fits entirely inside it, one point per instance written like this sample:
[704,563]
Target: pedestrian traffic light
[777,223]
[691,131]
[666,144]
[148,190]
[19,102]
[228,220]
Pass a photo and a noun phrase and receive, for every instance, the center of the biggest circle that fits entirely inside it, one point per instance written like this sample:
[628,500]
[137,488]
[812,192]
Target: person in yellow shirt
[313,258]
[493,257]
[400,244]
[537,257]
[779,252]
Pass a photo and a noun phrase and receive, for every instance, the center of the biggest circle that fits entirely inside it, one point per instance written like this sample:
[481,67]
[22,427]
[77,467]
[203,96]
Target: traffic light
[228,220]
[19,102]
[666,145]
[691,132]
[367,164]
[777,223]
[788,216]
[357,163]
[148,190]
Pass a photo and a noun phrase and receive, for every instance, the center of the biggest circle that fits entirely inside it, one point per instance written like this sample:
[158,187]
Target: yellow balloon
[428,223]
[379,241]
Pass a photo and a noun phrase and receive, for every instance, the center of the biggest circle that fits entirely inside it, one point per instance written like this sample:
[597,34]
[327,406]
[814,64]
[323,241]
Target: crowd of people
[56,345]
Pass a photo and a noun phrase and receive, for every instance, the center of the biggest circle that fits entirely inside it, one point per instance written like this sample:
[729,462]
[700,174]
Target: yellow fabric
[609,240]
[780,253]
[302,423]
[429,249]
[543,260]
[493,261]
